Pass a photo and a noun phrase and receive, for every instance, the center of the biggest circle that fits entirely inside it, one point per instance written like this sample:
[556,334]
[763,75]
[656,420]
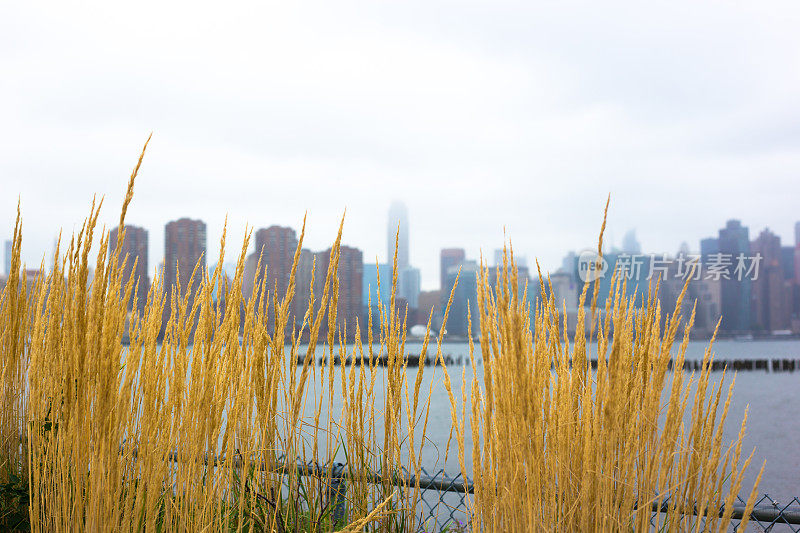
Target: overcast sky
[479,116]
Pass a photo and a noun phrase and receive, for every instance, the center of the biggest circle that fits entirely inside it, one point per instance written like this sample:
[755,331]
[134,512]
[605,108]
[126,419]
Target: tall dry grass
[570,449]
[187,434]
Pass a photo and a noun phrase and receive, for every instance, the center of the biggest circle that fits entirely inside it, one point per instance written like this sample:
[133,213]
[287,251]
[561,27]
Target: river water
[773,426]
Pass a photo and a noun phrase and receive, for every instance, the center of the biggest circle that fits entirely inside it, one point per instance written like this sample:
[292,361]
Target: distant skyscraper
[568,264]
[629,243]
[787,262]
[520,260]
[276,245]
[771,301]
[373,290]
[249,276]
[350,273]
[430,301]
[707,247]
[408,286]
[398,219]
[709,304]
[184,246]
[733,241]
[797,234]
[7,257]
[466,293]
[302,281]
[448,257]
[565,290]
[134,247]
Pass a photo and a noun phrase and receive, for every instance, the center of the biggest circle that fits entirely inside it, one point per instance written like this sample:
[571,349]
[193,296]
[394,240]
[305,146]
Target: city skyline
[430,280]
[754,284]
[507,117]
[434,278]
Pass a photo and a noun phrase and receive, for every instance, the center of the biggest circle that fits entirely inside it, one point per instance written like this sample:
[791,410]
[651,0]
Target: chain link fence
[443,505]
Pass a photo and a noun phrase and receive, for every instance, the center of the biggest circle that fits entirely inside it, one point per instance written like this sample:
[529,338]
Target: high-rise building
[569,262]
[376,284]
[398,222]
[797,254]
[449,257]
[408,277]
[565,290]
[376,291]
[184,246]
[787,262]
[350,275]
[734,242]
[249,276]
[519,260]
[797,234]
[7,257]
[770,301]
[523,279]
[466,294]
[707,247]
[430,301]
[276,246]
[302,282]
[408,286]
[709,305]
[630,244]
[133,251]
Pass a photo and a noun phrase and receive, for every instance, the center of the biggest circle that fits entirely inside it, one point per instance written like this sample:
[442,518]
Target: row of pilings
[383,360]
[736,365]
[718,365]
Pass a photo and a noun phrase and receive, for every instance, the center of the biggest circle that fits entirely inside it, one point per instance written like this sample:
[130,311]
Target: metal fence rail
[443,499]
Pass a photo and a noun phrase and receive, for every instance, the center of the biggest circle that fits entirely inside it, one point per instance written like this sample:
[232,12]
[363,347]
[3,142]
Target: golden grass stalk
[187,432]
[558,447]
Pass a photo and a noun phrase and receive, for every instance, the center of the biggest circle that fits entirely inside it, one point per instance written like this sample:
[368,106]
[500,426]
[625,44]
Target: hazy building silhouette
[184,246]
[376,291]
[770,299]
[734,241]
[302,281]
[797,234]
[276,246]
[133,252]
[565,290]
[466,294]
[350,275]
[249,276]
[448,257]
[408,286]
[708,294]
[408,277]
[630,244]
[430,301]
[787,262]
[520,260]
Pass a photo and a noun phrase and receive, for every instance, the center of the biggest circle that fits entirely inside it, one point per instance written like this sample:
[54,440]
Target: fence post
[338,491]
